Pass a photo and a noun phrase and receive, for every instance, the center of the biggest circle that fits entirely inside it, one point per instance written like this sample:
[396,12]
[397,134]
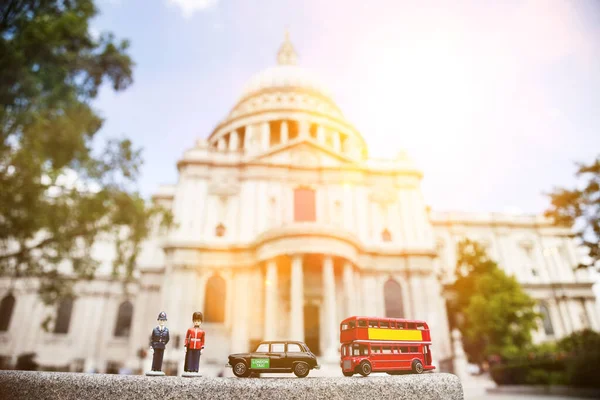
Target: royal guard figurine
[158,342]
[194,343]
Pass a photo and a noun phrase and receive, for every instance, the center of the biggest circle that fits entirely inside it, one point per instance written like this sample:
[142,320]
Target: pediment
[304,153]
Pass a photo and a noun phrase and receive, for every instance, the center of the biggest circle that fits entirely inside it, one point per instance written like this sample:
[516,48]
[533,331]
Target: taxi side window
[294,348]
[263,348]
[277,348]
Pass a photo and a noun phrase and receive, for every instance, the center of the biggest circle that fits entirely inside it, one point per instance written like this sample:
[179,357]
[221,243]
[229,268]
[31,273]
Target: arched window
[6,309]
[392,293]
[386,235]
[214,300]
[63,315]
[546,320]
[304,205]
[124,317]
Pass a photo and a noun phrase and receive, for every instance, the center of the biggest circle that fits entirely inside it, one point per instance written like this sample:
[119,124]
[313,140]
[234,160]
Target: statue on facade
[194,343]
[158,342]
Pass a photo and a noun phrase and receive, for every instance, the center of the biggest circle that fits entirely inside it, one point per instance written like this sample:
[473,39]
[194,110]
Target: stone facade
[284,228]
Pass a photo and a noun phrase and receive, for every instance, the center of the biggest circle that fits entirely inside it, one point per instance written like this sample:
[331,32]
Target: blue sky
[495,101]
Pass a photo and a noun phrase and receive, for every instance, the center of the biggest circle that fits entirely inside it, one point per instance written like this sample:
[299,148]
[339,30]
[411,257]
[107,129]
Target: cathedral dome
[286,75]
[283,102]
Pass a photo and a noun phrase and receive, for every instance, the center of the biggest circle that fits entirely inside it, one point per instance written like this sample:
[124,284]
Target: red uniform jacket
[194,339]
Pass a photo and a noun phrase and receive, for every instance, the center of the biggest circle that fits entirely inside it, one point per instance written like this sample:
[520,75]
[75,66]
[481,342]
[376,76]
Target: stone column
[460,359]
[234,141]
[284,132]
[239,329]
[349,292]
[418,308]
[297,299]
[270,301]
[592,314]
[331,323]
[337,144]
[265,132]
[304,128]
[566,318]
[221,144]
[320,134]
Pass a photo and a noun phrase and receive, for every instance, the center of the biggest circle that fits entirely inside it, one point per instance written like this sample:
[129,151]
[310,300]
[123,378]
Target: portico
[312,286]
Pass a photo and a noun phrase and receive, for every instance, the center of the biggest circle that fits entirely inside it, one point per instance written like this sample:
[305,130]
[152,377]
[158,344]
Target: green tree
[493,313]
[580,209]
[61,190]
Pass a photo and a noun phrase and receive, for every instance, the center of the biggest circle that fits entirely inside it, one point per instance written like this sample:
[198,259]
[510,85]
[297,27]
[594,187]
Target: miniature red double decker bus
[392,345]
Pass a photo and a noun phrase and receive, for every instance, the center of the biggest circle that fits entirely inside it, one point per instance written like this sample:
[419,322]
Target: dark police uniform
[158,341]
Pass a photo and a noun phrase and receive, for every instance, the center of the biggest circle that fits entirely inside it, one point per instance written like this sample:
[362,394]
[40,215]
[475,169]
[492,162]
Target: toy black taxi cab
[275,356]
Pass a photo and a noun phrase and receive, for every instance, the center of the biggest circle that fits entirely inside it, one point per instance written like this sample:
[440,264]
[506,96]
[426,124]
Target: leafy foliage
[493,313]
[580,208]
[59,196]
[572,361]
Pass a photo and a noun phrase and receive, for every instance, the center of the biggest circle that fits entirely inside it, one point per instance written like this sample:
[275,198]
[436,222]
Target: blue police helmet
[162,316]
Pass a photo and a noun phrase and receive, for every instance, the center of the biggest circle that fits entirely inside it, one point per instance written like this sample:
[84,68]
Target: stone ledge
[540,390]
[63,385]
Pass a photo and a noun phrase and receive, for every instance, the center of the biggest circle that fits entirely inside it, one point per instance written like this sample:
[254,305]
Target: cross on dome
[286,54]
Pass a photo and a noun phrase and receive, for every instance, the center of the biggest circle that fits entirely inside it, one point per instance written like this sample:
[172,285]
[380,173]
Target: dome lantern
[287,54]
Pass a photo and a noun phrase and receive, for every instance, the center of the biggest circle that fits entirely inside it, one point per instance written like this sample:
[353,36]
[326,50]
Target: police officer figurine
[194,343]
[158,341]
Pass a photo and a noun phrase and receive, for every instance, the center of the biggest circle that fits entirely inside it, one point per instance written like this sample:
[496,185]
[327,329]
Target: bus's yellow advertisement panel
[393,334]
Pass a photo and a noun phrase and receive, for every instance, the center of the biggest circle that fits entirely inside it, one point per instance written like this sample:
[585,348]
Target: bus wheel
[417,367]
[347,373]
[364,368]
[301,369]
[240,370]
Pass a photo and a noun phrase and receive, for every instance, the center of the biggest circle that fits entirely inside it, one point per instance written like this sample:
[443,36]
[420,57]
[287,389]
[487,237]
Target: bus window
[393,324]
[362,323]
[411,325]
[375,349]
[344,351]
[352,324]
[359,350]
[344,326]
[387,350]
[404,349]
[373,324]
[421,327]
[384,324]
[414,349]
[400,325]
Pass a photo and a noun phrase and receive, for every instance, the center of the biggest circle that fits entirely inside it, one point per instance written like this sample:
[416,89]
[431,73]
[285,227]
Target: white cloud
[189,7]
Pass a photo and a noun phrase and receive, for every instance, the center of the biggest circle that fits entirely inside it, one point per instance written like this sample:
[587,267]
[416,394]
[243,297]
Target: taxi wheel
[364,368]
[417,367]
[347,373]
[240,369]
[301,369]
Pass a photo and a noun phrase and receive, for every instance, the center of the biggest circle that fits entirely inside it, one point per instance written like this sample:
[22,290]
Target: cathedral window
[214,300]
[304,205]
[220,230]
[546,320]
[6,310]
[63,316]
[392,293]
[386,236]
[124,316]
